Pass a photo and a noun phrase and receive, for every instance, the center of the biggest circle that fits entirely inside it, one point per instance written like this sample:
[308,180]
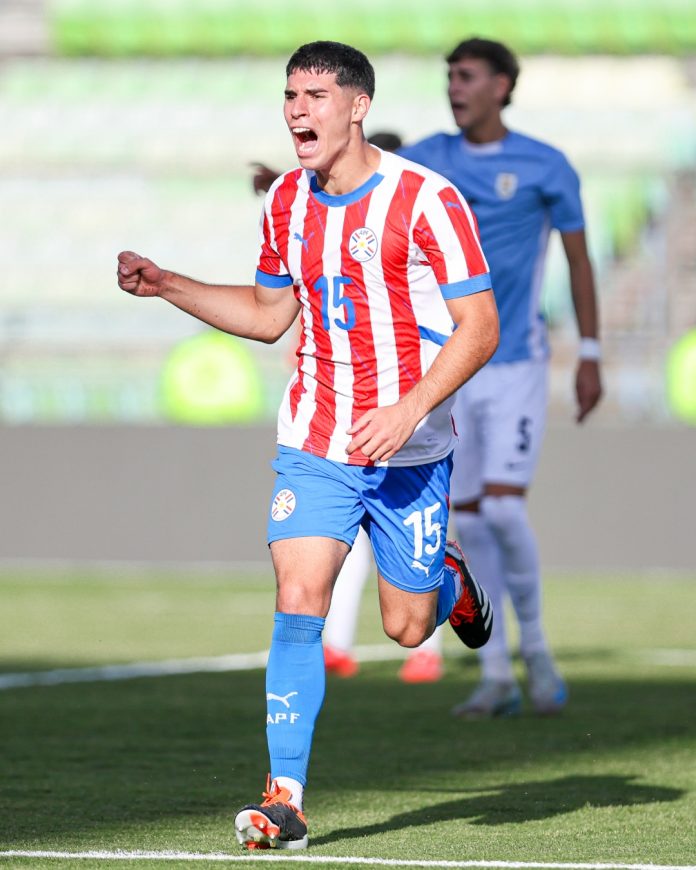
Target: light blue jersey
[519,189]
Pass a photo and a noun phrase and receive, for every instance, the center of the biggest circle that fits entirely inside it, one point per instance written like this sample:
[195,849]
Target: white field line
[173,667]
[328,859]
[676,658]
[249,661]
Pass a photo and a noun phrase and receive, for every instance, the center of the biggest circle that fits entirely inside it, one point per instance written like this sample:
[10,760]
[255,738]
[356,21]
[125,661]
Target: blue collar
[344,198]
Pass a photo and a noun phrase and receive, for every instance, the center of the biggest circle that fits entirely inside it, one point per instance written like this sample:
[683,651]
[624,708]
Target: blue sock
[295,683]
[448,595]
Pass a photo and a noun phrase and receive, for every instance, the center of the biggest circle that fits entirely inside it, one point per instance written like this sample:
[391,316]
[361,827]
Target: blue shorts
[403,509]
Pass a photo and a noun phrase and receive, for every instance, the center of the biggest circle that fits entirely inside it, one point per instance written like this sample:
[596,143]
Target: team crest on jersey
[506,185]
[283,505]
[362,245]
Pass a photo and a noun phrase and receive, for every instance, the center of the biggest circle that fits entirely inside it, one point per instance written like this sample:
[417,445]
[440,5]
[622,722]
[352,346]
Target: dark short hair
[350,66]
[498,56]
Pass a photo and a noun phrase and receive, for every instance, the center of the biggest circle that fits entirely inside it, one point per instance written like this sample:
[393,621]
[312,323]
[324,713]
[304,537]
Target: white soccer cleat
[491,699]
[547,689]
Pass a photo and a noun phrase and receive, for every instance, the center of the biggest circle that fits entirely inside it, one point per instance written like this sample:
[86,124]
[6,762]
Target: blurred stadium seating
[104,148]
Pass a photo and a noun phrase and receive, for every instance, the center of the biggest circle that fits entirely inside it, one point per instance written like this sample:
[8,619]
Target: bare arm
[255,312]
[381,432]
[588,384]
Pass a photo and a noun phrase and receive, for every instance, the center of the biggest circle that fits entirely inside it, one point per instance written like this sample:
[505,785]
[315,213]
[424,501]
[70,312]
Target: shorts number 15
[423,528]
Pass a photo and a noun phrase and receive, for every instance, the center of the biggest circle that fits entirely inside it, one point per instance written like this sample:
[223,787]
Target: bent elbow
[270,338]
[267,332]
[492,338]
[273,331]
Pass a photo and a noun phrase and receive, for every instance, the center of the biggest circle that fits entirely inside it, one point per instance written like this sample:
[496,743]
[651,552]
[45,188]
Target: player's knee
[298,598]
[406,632]
[506,515]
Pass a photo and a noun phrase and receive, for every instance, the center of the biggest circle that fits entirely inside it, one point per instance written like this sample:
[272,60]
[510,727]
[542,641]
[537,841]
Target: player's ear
[361,106]
[502,87]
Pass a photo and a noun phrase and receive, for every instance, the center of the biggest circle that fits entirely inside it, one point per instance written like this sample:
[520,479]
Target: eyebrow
[319,90]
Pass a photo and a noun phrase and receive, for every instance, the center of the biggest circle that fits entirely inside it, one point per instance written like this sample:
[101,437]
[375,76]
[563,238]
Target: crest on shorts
[506,185]
[283,505]
[362,244]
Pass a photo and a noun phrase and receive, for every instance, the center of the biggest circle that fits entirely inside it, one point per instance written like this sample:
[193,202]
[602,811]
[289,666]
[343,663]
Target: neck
[349,170]
[490,130]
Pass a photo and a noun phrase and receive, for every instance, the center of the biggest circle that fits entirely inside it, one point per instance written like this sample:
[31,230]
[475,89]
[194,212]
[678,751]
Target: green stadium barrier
[122,28]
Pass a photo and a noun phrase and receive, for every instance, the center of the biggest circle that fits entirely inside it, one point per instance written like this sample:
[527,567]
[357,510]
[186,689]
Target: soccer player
[425,665]
[382,259]
[519,189]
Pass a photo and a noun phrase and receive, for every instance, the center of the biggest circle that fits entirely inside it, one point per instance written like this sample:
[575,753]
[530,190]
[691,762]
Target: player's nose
[299,107]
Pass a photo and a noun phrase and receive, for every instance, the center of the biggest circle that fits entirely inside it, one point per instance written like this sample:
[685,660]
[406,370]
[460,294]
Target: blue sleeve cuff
[569,226]
[476,284]
[266,280]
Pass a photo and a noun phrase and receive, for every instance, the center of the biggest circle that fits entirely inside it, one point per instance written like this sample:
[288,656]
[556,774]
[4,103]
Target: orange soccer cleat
[273,824]
[338,662]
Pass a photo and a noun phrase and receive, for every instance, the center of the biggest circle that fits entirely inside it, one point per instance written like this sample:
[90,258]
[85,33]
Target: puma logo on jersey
[282,698]
[423,568]
[305,242]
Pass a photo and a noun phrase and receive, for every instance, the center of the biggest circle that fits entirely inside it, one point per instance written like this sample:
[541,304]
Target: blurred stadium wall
[132,125]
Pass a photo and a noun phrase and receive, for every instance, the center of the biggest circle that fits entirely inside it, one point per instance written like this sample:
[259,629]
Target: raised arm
[381,432]
[256,312]
[588,383]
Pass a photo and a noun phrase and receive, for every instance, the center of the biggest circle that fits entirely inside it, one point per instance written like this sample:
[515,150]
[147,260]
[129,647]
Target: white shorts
[500,416]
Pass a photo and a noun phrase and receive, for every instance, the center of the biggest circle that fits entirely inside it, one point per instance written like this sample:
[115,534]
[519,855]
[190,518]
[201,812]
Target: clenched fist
[138,275]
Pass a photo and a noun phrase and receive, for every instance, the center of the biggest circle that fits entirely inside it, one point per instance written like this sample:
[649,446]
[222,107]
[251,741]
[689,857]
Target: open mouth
[305,140]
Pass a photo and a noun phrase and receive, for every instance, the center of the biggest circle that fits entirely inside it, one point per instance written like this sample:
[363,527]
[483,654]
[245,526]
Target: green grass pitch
[161,764]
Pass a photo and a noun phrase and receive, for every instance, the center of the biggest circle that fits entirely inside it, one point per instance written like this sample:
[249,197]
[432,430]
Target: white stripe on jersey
[380,308]
[299,428]
[298,212]
[433,209]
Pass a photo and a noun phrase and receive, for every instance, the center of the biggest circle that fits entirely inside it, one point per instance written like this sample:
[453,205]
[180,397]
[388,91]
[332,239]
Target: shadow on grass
[520,802]
[128,759]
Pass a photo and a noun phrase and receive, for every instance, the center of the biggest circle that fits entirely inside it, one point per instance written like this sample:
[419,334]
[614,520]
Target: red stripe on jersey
[323,421]
[283,199]
[424,237]
[467,234]
[269,261]
[362,341]
[395,243]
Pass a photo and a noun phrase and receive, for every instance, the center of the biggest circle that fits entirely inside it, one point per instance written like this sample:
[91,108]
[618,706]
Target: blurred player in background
[382,259]
[519,189]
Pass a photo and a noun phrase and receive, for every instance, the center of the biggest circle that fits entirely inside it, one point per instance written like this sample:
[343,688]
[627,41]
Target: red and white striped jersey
[371,270]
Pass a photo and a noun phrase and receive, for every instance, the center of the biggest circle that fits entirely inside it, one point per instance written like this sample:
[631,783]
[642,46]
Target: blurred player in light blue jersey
[519,189]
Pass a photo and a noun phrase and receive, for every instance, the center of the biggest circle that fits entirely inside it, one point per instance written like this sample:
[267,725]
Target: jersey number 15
[332,300]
